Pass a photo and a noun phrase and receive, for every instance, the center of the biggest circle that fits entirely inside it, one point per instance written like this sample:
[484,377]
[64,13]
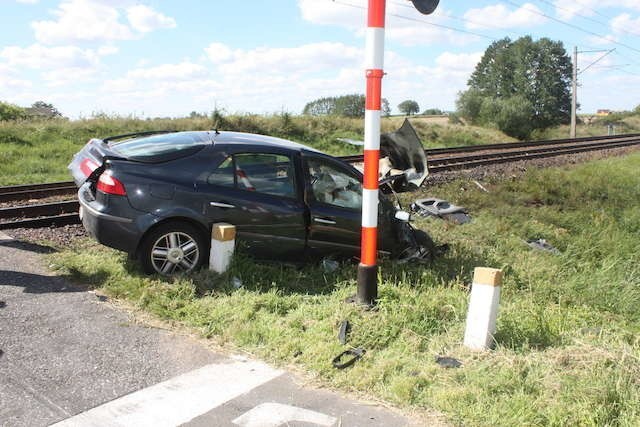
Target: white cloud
[219,53]
[624,23]
[568,9]
[82,20]
[459,62]
[605,40]
[145,19]
[331,13]
[107,50]
[37,56]
[98,20]
[27,1]
[181,71]
[119,85]
[64,76]
[307,58]
[501,16]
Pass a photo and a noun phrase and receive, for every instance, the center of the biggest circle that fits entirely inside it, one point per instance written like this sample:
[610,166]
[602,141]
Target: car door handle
[324,221]
[221,205]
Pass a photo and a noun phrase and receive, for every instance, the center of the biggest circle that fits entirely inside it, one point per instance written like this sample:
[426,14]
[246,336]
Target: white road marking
[179,399]
[277,414]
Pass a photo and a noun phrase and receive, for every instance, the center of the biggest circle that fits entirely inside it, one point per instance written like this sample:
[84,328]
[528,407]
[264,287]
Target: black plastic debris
[448,362]
[542,245]
[343,360]
[345,328]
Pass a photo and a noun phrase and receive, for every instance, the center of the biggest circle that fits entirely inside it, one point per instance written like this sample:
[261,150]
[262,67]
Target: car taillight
[110,185]
[88,166]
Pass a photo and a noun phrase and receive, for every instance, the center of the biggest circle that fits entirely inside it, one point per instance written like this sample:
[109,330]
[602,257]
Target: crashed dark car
[155,195]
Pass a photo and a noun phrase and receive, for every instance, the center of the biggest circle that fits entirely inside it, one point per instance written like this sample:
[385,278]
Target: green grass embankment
[568,347]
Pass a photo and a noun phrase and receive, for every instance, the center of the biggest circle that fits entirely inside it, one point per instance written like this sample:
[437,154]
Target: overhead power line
[588,18]
[596,61]
[408,18]
[575,27]
[469,21]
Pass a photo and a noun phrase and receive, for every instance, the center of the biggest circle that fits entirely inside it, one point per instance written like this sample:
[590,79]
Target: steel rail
[44,209]
[65,189]
[494,159]
[49,221]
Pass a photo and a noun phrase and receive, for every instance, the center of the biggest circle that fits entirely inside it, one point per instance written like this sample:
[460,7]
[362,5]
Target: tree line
[38,110]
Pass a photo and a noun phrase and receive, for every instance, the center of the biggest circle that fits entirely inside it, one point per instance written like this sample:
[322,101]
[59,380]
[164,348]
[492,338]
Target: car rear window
[162,146]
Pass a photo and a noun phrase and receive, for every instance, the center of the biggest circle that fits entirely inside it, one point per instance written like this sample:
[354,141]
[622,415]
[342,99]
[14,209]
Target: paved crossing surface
[68,358]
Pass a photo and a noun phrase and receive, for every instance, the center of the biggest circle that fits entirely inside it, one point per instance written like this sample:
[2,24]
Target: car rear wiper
[145,133]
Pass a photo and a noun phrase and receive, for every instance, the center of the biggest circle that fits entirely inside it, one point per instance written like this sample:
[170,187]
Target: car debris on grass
[440,208]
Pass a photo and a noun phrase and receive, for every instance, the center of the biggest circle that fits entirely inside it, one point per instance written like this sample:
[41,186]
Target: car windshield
[157,145]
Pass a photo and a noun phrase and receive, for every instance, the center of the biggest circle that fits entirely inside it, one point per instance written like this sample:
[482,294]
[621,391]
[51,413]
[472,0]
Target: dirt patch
[57,236]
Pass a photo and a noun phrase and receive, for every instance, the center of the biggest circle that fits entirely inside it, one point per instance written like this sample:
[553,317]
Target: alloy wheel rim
[174,252]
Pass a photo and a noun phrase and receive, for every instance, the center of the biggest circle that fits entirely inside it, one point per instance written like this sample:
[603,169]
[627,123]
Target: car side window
[265,173]
[331,185]
[223,174]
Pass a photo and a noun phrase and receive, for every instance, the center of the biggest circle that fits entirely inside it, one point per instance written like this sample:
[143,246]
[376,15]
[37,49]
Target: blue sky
[167,58]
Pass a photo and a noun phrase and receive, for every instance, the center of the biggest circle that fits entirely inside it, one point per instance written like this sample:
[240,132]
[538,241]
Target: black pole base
[367,285]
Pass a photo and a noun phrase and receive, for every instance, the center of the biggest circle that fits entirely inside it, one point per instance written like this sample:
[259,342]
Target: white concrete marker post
[483,308]
[223,242]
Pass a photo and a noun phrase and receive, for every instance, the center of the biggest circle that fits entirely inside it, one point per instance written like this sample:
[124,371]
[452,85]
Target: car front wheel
[172,248]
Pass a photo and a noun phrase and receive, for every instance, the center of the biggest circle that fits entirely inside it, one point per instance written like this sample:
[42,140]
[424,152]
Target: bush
[11,111]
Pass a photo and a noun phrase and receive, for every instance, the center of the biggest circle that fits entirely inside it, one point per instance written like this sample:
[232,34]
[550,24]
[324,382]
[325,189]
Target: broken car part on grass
[440,208]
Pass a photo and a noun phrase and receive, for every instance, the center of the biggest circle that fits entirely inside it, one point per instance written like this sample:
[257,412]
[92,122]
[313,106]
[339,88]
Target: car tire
[172,248]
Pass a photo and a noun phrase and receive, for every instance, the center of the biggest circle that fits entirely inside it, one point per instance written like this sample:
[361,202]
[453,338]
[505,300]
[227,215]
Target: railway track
[440,160]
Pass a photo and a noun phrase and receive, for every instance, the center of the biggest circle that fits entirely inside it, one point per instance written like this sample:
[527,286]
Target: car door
[334,197]
[258,193]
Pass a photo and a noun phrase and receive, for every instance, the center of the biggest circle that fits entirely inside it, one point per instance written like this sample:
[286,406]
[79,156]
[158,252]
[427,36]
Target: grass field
[567,345]
[34,152]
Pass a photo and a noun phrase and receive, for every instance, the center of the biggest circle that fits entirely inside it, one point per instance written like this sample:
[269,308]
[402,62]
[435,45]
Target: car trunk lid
[89,162]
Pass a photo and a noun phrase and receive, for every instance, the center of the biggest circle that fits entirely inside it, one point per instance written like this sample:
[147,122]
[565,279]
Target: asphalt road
[69,357]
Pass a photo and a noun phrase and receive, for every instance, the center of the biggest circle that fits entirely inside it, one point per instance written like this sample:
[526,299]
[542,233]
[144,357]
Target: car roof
[224,137]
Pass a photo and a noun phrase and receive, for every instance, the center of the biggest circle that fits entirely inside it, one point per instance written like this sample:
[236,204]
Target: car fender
[178,213]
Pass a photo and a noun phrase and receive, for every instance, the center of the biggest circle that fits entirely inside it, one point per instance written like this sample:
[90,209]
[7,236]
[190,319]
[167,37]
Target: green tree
[11,111]
[537,74]
[433,112]
[43,110]
[409,107]
[345,105]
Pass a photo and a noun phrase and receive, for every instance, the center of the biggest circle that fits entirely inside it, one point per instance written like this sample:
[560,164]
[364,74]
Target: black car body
[157,195]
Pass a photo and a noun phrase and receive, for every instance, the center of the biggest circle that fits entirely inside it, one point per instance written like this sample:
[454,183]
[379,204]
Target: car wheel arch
[204,230]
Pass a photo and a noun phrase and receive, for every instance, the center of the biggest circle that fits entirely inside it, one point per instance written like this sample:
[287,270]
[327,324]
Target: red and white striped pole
[368,269]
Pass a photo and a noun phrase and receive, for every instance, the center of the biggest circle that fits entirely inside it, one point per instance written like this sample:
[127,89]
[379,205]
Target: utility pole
[574,95]
[574,83]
